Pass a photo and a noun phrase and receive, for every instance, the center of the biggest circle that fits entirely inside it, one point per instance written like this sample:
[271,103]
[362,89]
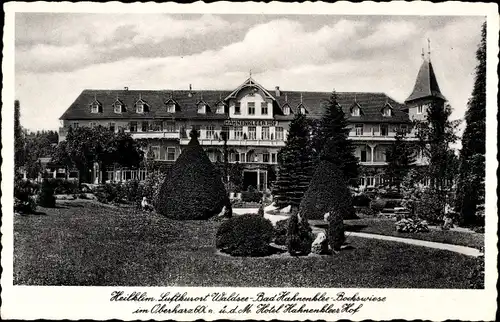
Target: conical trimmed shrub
[328,192]
[192,189]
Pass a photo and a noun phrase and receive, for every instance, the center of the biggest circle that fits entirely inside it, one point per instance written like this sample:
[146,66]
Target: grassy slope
[386,227]
[83,243]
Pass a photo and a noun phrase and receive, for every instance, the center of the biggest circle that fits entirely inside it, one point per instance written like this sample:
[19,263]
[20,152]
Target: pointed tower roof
[426,84]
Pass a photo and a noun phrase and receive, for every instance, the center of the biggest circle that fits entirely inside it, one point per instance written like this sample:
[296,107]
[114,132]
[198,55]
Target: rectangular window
[373,130]
[220,109]
[404,128]
[75,125]
[156,152]
[362,182]
[265,157]
[144,126]
[170,154]
[252,133]
[279,133]
[265,133]
[93,124]
[112,126]
[95,108]
[157,126]
[238,132]
[370,182]
[273,157]
[169,126]
[242,157]
[384,130]
[171,108]
[118,108]
[201,109]
[210,131]
[387,112]
[355,111]
[263,108]
[133,126]
[237,108]
[140,108]
[359,129]
[363,156]
[251,108]
[420,109]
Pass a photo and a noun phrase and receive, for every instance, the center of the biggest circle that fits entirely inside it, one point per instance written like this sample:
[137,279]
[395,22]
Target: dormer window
[356,111]
[387,111]
[171,108]
[286,110]
[302,110]
[220,109]
[141,106]
[118,107]
[202,108]
[95,107]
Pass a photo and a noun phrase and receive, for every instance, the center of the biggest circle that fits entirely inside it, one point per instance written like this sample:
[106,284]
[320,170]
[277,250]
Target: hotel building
[255,119]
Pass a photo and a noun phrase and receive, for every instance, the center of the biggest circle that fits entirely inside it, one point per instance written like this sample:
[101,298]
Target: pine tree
[470,187]
[331,142]
[19,152]
[295,164]
[400,157]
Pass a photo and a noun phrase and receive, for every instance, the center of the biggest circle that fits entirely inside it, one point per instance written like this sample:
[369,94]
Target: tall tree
[470,187]
[331,142]
[295,164]
[400,158]
[436,133]
[85,146]
[19,152]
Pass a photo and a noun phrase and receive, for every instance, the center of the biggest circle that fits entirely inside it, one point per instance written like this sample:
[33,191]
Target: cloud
[390,34]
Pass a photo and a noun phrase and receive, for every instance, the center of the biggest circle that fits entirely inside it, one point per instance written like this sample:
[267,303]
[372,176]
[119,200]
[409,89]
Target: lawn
[85,243]
[386,227]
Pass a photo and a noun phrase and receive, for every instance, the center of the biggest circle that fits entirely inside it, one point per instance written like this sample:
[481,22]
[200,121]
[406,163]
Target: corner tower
[425,91]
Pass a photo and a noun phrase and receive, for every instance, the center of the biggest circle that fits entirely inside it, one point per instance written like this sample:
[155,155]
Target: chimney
[190,94]
[126,88]
[277,91]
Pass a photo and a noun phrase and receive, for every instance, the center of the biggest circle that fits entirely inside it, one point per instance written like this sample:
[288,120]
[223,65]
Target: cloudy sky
[57,55]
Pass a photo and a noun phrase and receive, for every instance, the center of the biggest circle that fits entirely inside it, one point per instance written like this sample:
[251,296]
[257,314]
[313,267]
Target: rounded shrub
[377,205]
[245,235]
[361,200]
[193,188]
[299,236]
[280,230]
[46,196]
[327,192]
[430,207]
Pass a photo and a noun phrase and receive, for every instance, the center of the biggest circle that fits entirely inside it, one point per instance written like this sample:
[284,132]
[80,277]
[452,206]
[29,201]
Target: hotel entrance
[256,178]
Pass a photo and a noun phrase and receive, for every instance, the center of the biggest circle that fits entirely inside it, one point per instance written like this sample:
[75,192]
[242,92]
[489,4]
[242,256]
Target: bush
[24,192]
[361,200]
[251,196]
[378,205]
[110,192]
[246,235]
[393,203]
[476,273]
[430,207]
[193,188]
[63,186]
[299,236]
[336,232]
[327,192]
[46,196]
[260,212]
[280,230]
[366,211]
[408,225]
[131,191]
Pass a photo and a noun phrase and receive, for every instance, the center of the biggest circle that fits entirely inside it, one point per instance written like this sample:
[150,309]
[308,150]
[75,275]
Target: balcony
[369,137]
[232,142]
[375,163]
[155,135]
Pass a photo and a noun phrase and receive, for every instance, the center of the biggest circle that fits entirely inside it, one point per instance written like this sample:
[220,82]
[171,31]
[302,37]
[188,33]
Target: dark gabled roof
[426,84]
[370,103]
[156,99]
